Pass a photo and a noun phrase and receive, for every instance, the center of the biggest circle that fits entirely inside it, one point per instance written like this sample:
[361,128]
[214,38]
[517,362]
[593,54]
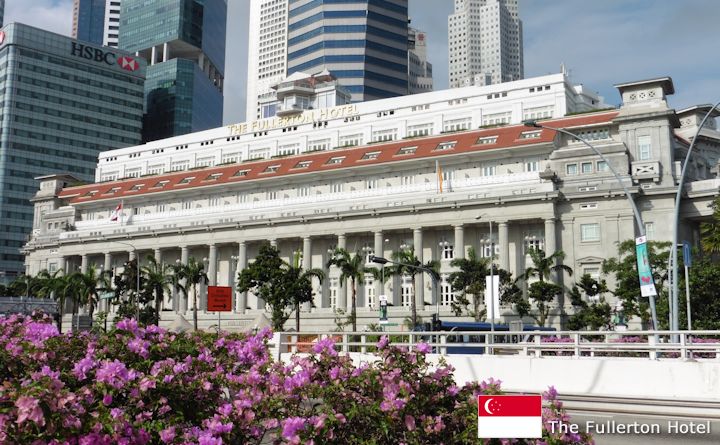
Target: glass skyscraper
[62,101]
[183,42]
[364,43]
[89,20]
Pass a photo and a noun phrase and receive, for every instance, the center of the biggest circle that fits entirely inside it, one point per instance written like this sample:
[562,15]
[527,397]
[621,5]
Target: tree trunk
[74,311]
[297,317]
[413,306]
[353,314]
[195,305]
[158,293]
[476,302]
[61,304]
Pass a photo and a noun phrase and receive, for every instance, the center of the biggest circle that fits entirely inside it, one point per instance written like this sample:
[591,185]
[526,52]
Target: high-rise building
[183,42]
[420,76]
[2,12]
[63,102]
[267,45]
[363,43]
[485,41]
[96,21]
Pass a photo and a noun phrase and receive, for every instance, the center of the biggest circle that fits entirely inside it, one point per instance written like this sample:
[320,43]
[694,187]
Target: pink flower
[107,399]
[384,341]
[325,346]
[291,428]
[423,348]
[168,434]
[29,409]
[409,422]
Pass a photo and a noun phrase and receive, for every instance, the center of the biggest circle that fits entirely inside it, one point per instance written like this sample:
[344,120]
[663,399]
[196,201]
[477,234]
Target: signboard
[495,294]
[647,285]
[108,57]
[219,299]
[383,308]
[687,254]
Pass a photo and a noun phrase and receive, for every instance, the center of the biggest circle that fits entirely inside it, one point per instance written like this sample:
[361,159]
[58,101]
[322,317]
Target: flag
[439,176]
[505,417]
[115,215]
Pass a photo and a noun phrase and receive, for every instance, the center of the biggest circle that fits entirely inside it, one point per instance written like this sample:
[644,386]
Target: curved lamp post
[675,324]
[638,218]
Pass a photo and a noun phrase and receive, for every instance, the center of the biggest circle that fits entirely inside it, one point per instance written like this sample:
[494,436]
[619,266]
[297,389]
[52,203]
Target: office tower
[420,77]
[362,43]
[485,41]
[64,101]
[2,12]
[183,42]
[96,21]
[267,45]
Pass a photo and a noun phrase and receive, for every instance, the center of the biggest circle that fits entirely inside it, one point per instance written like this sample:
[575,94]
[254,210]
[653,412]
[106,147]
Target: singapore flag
[503,417]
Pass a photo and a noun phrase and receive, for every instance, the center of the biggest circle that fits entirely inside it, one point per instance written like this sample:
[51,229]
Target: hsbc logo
[96,54]
[128,63]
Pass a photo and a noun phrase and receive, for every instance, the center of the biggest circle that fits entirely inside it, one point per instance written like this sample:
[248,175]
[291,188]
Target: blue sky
[601,42]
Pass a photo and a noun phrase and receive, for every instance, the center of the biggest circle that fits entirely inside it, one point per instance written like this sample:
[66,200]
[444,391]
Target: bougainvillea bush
[144,385]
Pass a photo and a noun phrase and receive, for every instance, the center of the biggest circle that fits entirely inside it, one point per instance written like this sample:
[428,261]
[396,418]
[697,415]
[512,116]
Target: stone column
[152,55]
[166,52]
[342,292]
[420,277]
[504,257]
[307,262]
[107,268]
[157,253]
[241,264]
[550,244]
[184,256]
[273,243]
[212,265]
[378,249]
[459,252]
[83,263]
[131,255]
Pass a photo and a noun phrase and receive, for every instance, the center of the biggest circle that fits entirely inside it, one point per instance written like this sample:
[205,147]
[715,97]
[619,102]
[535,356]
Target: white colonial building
[430,171]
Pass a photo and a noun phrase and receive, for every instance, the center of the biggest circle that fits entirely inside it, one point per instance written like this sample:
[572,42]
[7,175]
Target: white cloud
[50,15]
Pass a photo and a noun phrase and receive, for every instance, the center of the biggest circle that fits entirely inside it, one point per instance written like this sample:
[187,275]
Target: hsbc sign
[96,54]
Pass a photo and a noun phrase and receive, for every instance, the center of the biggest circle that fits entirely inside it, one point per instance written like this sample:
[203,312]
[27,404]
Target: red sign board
[219,299]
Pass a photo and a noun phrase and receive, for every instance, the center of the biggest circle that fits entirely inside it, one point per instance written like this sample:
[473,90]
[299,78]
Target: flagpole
[122,212]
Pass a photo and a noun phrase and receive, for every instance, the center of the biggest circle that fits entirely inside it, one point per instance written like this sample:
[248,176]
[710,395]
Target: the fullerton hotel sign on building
[307,117]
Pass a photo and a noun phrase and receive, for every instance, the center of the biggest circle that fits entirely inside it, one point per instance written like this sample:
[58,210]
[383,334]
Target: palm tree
[88,287]
[301,280]
[24,285]
[469,280]
[710,231]
[352,267]
[157,280]
[194,274]
[544,266]
[410,266]
[54,285]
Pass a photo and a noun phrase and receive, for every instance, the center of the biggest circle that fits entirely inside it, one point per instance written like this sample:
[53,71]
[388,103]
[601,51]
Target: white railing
[697,345]
[354,196]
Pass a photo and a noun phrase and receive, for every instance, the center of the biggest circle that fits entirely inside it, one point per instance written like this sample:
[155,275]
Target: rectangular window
[644,148]
[214,177]
[457,124]
[384,135]
[445,146]
[406,151]
[530,134]
[303,191]
[319,145]
[179,166]
[187,205]
[271,168]
[487,140]
[159,208]
[288,150]
[351,140]
[336,187]
[369,156]
[371,184]
[334,289]
[161,184]
[214,201]
[487,170]
[589,232]
[497,118]
[571,169]
[407,180]
[271,195]
[186,180]
[205,162]
[155,169]
[531,165]
[303,164]
[650,230]
[132,173]
[601,166]
[370,292]
[335,160]
[112,191]
[136,187]
[419,130]
[229,158]
[241,173]
[586,167]
[448,251]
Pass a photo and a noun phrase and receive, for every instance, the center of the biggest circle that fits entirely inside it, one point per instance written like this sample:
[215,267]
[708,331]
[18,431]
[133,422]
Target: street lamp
[675,324]
[633,206]
[137,273]
[382,261]
[492,280]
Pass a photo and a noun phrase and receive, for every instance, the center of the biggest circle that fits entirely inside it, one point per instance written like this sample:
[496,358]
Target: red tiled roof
[465,142]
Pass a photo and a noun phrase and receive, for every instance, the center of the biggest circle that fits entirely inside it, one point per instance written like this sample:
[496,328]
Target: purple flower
[82,367]
[113,373]
[291,427]
[325,346]
[384,341]
[409,422]
[29,409]
[107,399]
[423,348]
[168,434]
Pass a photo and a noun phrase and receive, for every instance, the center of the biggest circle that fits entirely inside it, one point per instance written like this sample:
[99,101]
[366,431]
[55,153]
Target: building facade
[420,76]
[63,102]
[303,92]
[2,12]
[183,42]
[363,43]
[485,42]
[96,21]
[438,193]
[267,53]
